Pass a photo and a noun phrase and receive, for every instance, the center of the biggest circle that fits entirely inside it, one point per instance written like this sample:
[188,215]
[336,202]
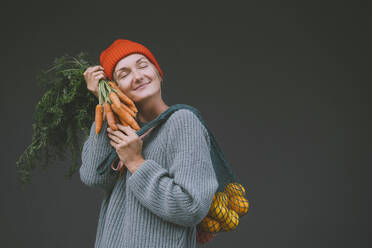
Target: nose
[137,76]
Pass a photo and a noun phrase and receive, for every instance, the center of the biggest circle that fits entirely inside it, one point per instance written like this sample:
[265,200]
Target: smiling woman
[169,182]
[135,70]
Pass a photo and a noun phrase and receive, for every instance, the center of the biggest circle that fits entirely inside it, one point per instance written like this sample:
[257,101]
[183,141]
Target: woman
[169,181]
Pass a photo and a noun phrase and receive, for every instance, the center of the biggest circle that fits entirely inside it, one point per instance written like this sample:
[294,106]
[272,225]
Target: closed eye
[143,65]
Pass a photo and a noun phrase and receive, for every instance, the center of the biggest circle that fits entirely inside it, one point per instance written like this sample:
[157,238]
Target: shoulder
[184,118]
[183,114]
[185,122]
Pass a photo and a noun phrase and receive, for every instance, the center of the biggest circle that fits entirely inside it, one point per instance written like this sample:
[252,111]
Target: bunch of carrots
[115,106]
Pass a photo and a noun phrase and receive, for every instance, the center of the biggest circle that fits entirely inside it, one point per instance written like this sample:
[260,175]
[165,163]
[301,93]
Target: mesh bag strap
[221,167]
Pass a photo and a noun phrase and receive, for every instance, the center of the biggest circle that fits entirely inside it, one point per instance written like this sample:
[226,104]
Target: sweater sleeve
[95,149]
[183,193]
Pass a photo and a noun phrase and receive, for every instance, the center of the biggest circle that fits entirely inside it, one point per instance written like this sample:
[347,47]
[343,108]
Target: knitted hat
[119,49]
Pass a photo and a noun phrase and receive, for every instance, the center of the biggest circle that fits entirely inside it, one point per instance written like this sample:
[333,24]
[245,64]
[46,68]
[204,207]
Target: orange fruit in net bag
[218,211]
[222,198]
[239,204]
[231,222]
[210,225]
[234,189]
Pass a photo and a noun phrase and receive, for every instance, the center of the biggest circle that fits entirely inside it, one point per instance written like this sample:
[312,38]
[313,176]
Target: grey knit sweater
[160,204]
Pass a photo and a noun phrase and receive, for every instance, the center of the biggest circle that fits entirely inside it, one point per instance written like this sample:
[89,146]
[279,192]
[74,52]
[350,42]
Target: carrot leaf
[62,115]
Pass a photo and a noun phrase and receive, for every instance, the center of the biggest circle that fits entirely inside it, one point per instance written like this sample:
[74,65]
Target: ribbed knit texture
[160,204]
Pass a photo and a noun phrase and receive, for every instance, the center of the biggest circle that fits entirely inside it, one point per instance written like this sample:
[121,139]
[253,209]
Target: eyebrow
[123,68]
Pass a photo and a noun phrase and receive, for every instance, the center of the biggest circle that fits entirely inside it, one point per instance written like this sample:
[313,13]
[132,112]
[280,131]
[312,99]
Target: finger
[90,69]
[118,134]
[114,138]
[96,73]
[96,68]
[113,144]
[127,130]
[99,77]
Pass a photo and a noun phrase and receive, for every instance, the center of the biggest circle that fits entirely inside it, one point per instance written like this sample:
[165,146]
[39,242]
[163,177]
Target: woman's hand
[92,75]
[128,146]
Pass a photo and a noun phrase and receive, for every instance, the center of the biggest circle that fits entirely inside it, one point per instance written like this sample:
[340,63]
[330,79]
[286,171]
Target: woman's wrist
[135,164]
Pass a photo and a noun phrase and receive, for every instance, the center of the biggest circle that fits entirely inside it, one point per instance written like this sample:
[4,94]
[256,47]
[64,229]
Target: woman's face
[136,70]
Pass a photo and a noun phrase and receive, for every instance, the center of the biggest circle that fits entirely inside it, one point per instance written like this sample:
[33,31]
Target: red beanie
[119,49]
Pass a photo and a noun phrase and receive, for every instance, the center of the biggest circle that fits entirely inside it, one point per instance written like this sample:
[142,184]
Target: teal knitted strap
[222,169]
[106,163]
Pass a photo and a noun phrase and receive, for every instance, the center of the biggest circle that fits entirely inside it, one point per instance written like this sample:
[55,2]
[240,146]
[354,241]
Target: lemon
[234,189]
[239,204]
[210,225]
[231,222]
[218,212]
[222,198]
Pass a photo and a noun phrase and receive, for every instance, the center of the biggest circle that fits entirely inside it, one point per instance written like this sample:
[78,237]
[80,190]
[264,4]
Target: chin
[142,96]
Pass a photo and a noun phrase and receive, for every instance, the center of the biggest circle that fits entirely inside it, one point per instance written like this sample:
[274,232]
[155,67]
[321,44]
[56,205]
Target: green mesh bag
[229,202]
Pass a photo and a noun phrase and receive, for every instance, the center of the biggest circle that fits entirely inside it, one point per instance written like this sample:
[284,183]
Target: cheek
[155,72]
[123,86]
[151,71]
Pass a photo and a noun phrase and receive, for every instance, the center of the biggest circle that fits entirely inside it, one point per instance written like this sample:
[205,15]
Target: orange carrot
[121,95]
[124,115]
[99,118]
[131,121]
[122,105]
[123,122]
[115,110]
[115,99]
[118,111]
[133,108]
[112,121]
[115,118]
[125,118]
[110,116]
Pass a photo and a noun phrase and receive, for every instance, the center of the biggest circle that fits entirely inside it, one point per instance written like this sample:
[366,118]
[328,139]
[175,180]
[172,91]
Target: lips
[140,86]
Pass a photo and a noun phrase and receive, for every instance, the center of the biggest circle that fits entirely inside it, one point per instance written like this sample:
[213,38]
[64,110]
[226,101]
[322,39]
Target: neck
[149,109]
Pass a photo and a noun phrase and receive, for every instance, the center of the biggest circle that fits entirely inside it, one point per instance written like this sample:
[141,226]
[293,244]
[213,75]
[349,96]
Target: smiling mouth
[141,86]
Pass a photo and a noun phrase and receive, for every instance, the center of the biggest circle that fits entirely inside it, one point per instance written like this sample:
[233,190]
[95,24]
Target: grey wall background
[283,85]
